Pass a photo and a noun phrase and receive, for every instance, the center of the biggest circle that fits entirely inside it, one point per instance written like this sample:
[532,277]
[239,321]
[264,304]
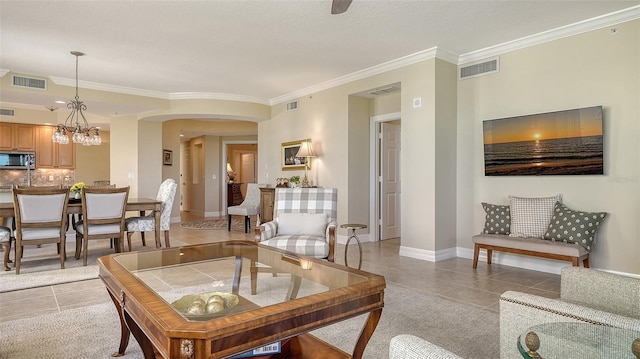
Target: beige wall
[325,118]
[92,162]
[593,68]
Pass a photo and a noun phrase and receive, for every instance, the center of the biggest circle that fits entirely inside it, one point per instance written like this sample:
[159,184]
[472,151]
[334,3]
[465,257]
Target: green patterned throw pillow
[497,219]
[572,226]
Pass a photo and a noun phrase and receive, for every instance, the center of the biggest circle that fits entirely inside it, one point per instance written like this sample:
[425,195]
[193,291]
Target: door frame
[374,169]
[223,168]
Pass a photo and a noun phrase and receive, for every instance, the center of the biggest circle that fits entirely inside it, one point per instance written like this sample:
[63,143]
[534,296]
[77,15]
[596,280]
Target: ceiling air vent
[483,68]
[29,82]
[7,112]
[292,106]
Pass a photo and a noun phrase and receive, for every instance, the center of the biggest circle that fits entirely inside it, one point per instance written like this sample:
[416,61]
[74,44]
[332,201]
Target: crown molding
[4,72]
[157,94]
[368,72]
[109,88]
[216,96]
[595,23]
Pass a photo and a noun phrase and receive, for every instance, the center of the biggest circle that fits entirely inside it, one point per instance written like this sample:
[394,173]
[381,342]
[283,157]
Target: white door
[390,187]
[185,179]
[248,172]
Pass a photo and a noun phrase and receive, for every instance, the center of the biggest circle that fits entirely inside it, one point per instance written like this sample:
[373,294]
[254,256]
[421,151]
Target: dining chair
[249,207]
[40,217]
[5,240]
[166,194]
[103,215]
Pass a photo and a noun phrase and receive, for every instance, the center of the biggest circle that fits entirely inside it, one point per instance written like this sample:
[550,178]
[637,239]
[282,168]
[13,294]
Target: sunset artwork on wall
[556,143]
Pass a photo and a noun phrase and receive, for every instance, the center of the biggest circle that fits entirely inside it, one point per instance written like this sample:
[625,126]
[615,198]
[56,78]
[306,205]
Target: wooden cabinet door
[67,156]
[17,137]
[24,137]
[45,148]
[53,155]
[6,136]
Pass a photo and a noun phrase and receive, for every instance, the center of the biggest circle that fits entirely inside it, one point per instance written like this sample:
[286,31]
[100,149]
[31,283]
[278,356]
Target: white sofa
[586,296]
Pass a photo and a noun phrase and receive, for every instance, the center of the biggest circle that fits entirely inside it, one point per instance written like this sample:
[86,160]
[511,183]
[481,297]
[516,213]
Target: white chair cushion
[310,224]
[40,208]
[311,246]
[39,233]
[140,224]
[243,210]
[5,234]
[103,205]
[95,229]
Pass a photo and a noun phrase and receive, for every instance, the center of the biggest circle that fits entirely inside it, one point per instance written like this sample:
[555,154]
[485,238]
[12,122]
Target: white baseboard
[427,255]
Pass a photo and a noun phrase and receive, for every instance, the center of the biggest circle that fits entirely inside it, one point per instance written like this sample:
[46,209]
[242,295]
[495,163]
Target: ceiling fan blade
[340,6]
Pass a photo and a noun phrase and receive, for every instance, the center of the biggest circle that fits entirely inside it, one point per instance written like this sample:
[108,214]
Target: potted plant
[295,181]
[77,189]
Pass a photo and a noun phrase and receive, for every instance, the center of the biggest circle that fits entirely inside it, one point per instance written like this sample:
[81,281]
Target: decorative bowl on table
[206,305]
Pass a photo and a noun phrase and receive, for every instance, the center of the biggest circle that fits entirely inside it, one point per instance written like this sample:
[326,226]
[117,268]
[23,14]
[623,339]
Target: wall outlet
[50,178]
[214,177]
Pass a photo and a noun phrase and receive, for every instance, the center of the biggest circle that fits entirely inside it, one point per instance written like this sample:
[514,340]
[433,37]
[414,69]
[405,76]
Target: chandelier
[82,133]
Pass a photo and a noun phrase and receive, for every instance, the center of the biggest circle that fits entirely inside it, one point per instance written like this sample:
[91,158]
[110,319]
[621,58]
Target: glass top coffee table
[565,340]
[191,302]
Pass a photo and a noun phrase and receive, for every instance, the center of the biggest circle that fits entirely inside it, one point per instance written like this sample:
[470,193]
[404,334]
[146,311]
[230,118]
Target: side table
[353,227]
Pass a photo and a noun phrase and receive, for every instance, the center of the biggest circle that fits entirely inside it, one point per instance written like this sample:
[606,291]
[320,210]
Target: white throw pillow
[530,217]
[310,224]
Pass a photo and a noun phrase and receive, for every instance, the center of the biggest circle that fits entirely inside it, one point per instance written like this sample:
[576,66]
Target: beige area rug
[41,266]
[468,331]
[220,223]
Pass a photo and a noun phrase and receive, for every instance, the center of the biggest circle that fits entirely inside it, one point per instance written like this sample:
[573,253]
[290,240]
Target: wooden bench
[529,246]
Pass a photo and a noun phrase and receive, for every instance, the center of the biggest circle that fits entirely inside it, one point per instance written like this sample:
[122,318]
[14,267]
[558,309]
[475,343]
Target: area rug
[93,332]
[41,266]
[221,223]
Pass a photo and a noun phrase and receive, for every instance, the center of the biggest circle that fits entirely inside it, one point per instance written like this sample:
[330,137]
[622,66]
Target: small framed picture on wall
[167,157]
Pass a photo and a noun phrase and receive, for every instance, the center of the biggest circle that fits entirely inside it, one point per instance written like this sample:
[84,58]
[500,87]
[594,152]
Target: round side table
[353,227]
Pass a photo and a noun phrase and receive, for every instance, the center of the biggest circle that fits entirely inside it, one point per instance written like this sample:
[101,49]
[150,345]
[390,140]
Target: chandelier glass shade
[76,123]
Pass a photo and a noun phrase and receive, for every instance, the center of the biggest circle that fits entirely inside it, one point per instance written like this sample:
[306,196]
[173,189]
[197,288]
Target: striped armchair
[304,222]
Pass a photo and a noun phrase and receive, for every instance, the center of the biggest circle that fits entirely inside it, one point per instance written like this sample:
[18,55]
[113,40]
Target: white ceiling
[261,50]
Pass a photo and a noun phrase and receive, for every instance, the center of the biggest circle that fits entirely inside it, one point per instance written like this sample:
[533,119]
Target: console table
[234,194]
[267,198]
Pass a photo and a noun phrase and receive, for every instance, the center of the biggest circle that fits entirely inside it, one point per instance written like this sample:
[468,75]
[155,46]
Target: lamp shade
[229,169]
[306,150]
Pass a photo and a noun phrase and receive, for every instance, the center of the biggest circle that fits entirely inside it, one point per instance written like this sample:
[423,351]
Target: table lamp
[306,152]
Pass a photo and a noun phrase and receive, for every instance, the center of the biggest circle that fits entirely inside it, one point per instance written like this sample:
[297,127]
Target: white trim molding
[427,255]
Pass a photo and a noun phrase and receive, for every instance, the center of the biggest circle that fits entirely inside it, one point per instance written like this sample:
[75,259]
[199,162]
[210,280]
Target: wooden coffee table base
[303,346]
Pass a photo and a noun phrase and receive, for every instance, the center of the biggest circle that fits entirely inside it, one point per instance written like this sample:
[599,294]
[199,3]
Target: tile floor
[453,278]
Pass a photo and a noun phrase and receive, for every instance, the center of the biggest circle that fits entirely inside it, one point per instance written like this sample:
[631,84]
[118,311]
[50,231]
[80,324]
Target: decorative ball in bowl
[205,305]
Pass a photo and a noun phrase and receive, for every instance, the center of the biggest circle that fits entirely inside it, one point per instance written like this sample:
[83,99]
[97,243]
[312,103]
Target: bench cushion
[531,244]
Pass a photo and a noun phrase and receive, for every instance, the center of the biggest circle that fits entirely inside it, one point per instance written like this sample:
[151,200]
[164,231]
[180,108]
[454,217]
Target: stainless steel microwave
[12,160]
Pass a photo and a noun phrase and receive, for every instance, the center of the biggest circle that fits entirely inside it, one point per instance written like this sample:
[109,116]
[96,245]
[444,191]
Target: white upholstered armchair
[304,222]
[249,207]
[166,194]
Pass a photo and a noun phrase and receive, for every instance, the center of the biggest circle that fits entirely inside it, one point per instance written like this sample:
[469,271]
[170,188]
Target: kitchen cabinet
[17,137]
[53,155]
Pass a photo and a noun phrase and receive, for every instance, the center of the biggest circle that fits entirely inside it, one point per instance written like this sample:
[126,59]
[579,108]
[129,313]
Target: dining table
[133,204]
